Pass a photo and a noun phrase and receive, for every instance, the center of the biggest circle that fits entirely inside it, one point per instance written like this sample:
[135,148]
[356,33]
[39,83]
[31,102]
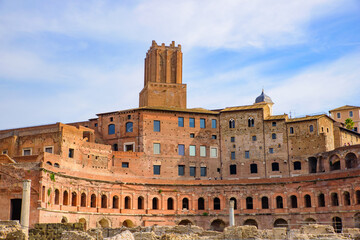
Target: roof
[247,107]
[349,131]
[308,118]
[263,98]
[346,107]
[277,117]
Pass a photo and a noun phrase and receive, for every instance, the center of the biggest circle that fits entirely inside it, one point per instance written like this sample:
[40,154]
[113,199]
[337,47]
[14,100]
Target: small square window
[192,135]
[232,155]
[181,170]
[213,123]
[181,149]
[202,123]
[156,126]
[111,119]
[180,121]
[247,154]
[253,138]
[192,150]
[125,165]
[202,151]
[157,169]
[192,122]
[156,148]
[95,124]
[128,117]
[71,153]
[48,149]
[192,171]
[203,171]
[213,136]
[271,150]
[232,139]
[273,124]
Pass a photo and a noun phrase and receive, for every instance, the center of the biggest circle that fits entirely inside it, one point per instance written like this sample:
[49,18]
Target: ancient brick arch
[185,222]
[128,223]
[250,222]
[218,225]
[104,223]
[280,222]
[334,162]
[351,160]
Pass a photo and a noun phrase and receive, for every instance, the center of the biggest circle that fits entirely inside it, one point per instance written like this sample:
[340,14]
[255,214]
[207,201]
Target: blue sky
[65,61]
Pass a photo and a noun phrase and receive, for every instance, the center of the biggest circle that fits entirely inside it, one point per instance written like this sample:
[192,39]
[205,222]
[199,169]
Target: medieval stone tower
[163,77]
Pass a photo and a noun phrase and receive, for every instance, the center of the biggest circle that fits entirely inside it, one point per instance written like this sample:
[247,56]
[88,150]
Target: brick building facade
[165,164]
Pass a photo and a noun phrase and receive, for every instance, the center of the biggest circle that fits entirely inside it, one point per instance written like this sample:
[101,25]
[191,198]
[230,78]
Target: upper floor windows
[275,166]
[253,138]
[251,122]
[111,119]
[297,165]
[253,168]
[181,149]
[202,151]
[71,153]
[156,169]
[181,170]
[203,171]
[213,152]
[232,156]
[192,150]
[233,169]
[338,115]
[129,127]
[311,128]
[291,130]
[111,129]
[180,121]
[232,139]
[156,126]
[213,123]
[247,154]
[192,122]
[351,114]
[231,123]
[273,136]
[156,148]
[202,123]
[273,124]
[27,151]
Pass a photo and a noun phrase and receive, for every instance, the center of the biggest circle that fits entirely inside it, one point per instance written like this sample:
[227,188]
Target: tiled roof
[307,118]
[346,107]
[247,107]
[189,110]
[277,117]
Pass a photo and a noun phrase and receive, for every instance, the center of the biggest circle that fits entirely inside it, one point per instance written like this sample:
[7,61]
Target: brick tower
[163,77]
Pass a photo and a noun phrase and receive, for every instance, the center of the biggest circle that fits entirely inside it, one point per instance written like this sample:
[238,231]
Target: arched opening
[128,223]
[250,222]
[350,160]
[49,163]
[310,221]
[231,123]
[111,129]
[307,200]
[64,220]
[65,198]
[265,203]
[127,202]
[83,200]
[217,204]
[235,203]
[293,201]
[115,202]
[280,223]
[337,224]
[357,195]
[321,164]
[279,202]
[73,199]
[201,204]
[155,203]
[346,196]
[185,222]
[129,127]
[321,200]
[170,204]
[185,204]
[93,201]
[251,122]
[104,223]
[357,220]
[249,203]
[140,202]
[217,225]
[56,165]
[334,199]
[103,201]
[83,221]
[334,163]
[57,196]
[312,164]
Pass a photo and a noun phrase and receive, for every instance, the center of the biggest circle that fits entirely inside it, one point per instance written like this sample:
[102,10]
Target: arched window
[129,127]
[83,200]
[357,195]
[291,130]
[65,198]
[235,203]
[103,201]
[127,202]
[273,136]
[185,203]
[217,204]
[293,201]
[279,202]
[111,129]
[307,200]
[312,164]
[155,203]
[57,196]
[170,204]
[249,203]
[350,160]
[93,201]
[231,123]
[347,201]
[275,166]
[201,204]
[56,165]
[297,165]
[265,203]
[334,199]
[321,200]
[334,163]
[311,128]
[73,199]
[140,203]
[115,202]
[49,163]
[251,122]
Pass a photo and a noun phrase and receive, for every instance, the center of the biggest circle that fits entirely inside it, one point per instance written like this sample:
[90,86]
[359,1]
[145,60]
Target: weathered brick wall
[45,231]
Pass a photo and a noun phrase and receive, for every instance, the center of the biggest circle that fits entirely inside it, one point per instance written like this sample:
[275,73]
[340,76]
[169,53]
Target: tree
[349,123]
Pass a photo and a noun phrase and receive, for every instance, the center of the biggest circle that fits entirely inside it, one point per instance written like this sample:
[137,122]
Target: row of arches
[317,164]
[251,122]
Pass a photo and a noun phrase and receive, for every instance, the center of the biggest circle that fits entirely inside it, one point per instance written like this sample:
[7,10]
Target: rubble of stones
[69,231]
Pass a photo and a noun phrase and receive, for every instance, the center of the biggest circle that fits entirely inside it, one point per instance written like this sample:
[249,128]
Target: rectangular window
[71,152]
[232,169]
[192,171]
[213,123]
[273,124]
[48,149]
[338,115]
[192,135]
[202,123]
[253,168]
[203,171]
[232,155]
[26,152]
[271,150]
[180,121]
[5,152]
[156,126]
[156,148]
[202,151]
[213,152]
[213,136]
[232,139]
[181,149]
[192,150]
[247,154]
[157,169]
[355,129]
[351,114]
[125,165]
[181,170]
[192,122]
[254,138]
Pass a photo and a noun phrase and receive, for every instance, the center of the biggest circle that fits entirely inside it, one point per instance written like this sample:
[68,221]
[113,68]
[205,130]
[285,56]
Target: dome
[263,98]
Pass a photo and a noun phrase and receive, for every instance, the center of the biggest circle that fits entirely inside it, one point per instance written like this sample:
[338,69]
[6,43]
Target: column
[25,207]
[231,213]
